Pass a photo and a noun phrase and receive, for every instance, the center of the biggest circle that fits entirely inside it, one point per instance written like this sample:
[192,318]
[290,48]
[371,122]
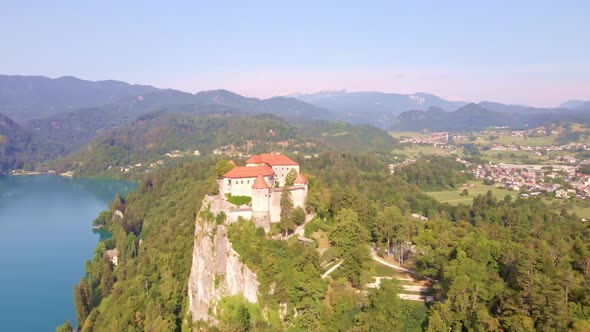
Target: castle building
[263,179]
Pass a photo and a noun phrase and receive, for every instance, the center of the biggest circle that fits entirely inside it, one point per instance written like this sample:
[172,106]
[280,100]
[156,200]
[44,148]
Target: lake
[45,238]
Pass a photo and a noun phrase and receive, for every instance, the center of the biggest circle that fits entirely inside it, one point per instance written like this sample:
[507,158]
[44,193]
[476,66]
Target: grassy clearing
[530,141]
[454,197]
[581,211]
[385,271]
[580,207]
[415,150]
[238,200]
[322,238]
[515,157]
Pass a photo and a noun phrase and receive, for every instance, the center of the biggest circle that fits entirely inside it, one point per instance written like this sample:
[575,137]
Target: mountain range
[375,108]
[41,118]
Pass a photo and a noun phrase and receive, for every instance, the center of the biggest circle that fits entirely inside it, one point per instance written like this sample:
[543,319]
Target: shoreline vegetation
[68,174]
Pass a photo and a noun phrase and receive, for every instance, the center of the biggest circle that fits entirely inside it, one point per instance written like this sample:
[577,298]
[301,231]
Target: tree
[350,239]
[223,166]
[384,225]
[82,301]
[286,203]
[383,308]
[290,178]
[66,327]
[298,216]
[435,322]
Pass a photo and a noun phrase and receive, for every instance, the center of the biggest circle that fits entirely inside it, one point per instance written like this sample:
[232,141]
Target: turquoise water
[45,237]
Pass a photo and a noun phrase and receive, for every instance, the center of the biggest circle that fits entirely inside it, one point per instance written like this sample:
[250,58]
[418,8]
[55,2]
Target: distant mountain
[473,117]
[29,97]
[575,104]
[75,128]
[585,106]
[514,109]
[469,117]
[376,108]
[26,98]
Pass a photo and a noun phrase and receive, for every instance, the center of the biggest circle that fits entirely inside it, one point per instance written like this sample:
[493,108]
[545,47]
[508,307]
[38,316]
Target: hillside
[152,137]
[495,254]
[18,149]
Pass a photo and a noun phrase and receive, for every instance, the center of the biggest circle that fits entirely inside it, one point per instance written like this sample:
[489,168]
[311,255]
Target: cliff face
[216,272]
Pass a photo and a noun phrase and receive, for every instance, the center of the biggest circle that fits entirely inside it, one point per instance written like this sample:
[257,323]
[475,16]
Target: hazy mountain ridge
[576,104]
[29,97]
[474,117]
[375,108]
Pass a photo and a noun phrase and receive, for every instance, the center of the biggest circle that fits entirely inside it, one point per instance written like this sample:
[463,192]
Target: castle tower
[260,203]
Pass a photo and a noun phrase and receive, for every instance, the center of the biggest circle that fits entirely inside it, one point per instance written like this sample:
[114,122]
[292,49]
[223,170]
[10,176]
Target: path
[414,287]
[327,273]
[300,230]
[386,263]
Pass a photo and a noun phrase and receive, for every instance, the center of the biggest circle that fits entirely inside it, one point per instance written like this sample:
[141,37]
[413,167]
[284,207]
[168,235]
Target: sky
[522,52]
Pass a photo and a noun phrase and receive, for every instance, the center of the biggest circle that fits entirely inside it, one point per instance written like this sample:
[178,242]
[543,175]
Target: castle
[263,179]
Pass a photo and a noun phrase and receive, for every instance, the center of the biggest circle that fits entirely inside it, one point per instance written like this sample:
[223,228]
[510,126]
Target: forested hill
[153,136]
[494,266]
[18,149]
[475,117]
[73,129]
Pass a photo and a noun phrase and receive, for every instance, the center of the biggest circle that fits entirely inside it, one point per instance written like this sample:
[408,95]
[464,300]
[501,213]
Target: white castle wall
[298,194]
[242,186]
[282,171]
[275,204]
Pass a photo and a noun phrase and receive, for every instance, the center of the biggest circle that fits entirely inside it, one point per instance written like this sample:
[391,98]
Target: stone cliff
[216,271]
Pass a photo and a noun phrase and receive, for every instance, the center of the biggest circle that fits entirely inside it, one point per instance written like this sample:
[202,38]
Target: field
[517,140]
[578,206]
[399,134]
[516,157]
[415,150]
[454,197]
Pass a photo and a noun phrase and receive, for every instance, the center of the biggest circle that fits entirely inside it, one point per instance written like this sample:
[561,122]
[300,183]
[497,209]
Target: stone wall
[298,195]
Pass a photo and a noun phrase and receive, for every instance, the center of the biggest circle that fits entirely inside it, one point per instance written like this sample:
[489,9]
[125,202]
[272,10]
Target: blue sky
[526,52]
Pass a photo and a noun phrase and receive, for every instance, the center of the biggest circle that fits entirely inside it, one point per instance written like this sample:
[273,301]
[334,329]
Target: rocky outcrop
[216,272]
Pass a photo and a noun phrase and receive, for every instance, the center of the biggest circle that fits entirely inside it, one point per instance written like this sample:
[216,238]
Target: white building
[263,179]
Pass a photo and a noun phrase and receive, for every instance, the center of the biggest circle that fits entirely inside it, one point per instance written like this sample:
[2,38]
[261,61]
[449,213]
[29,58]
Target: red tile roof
[300,179]
[260,183]
[249,172]
[271,159]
